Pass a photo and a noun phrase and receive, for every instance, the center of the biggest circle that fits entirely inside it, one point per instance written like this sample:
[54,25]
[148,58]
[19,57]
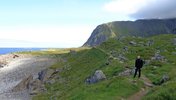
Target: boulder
[164,79]
[133,43]
[98,76]
[24,84]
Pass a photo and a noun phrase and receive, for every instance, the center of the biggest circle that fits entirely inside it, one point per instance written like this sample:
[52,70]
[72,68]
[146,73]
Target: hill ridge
[138,28]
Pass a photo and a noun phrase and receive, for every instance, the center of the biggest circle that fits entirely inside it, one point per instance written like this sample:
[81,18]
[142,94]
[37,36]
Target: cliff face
[138,28]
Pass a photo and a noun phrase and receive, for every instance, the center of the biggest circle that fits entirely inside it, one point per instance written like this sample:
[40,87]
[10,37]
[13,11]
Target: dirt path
[144,90]
[18,69]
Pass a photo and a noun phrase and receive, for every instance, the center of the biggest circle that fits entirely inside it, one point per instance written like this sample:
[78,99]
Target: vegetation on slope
[76,67]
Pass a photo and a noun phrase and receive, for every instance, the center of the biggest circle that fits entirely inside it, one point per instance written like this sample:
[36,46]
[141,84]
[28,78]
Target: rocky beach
[15,68]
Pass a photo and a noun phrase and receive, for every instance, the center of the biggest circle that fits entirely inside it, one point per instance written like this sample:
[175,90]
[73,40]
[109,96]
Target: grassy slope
[78,66]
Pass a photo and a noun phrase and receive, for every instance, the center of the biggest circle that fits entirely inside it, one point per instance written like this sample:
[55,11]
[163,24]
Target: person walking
[138,64]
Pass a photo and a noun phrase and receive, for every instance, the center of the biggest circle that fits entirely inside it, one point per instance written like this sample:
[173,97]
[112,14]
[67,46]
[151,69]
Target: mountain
[138,28]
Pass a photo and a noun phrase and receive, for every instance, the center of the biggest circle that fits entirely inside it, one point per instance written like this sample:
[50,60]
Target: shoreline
[18,68]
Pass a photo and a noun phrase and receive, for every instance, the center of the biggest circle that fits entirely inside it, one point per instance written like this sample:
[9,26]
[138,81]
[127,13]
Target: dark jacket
[139,63]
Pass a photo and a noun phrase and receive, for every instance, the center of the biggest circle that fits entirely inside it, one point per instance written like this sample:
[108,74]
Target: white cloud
[125,7]
[46,36]
[144,9]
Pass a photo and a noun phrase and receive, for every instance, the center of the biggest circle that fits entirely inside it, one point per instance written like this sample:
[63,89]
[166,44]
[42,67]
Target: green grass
[164,92]
[77,67]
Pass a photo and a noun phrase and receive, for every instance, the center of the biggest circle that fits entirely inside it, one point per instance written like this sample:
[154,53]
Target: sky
[69,23]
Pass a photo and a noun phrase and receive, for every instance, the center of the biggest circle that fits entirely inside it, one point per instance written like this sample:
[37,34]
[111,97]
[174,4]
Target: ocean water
[11,50]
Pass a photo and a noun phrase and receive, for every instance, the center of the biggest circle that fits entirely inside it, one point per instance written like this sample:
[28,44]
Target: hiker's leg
[135,72]
[139,73]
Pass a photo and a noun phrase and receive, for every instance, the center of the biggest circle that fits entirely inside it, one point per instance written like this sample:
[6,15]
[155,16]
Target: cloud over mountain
[143,8]
[157,9]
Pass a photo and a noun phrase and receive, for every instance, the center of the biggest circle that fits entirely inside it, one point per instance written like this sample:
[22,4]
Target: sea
[12,50]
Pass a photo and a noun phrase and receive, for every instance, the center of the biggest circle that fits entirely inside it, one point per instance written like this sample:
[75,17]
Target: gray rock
[45,74]
[157,56]
[127,72]
[98,76]
[147,62]
[148,84]
[36,86]
[164,79]
[125,48]
[24,84]
[133,43]
[51,81]
[121,58]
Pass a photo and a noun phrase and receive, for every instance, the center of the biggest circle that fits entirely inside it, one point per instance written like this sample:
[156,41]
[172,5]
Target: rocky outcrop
[98,76]
[24,84]
[164,79]
[100,34]
[44,75]
[36,86]
[158,57]
[138,28]
[127,72]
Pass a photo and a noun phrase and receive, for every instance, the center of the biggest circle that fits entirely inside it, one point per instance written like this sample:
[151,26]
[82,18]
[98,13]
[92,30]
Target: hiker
[138,64]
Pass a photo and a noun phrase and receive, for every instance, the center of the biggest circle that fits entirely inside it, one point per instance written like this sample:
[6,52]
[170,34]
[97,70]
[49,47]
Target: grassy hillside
[113,57]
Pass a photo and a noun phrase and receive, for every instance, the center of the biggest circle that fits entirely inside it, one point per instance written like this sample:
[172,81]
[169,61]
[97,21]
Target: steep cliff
[138,28]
